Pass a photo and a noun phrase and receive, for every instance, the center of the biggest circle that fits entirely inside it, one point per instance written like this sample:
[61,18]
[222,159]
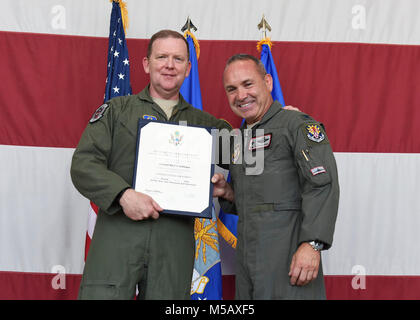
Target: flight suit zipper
[159,110]
[174,112]
[245,142]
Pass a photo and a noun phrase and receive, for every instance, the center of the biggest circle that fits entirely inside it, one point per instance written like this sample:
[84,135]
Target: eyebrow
[247,80]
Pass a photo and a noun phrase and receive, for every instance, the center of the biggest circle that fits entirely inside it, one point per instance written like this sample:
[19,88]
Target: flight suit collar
[145,96]
[273,110]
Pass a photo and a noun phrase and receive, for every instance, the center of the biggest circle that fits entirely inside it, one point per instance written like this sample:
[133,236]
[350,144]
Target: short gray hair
[247,57]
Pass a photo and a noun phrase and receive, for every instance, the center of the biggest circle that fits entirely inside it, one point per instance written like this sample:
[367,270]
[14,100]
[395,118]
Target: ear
[146,65]
[268,79]
[188,69]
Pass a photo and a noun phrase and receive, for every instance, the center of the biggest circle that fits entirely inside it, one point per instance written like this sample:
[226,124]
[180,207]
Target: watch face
[318,246]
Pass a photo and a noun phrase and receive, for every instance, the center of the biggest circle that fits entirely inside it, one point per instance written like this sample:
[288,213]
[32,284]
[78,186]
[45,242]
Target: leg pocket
[98,290]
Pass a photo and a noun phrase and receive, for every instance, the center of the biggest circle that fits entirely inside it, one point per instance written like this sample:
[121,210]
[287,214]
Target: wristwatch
[316,245]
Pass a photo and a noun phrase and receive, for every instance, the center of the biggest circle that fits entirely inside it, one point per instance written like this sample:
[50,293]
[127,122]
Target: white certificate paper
[174,165]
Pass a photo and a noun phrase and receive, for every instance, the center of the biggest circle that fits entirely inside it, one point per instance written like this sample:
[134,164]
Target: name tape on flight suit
[260,142]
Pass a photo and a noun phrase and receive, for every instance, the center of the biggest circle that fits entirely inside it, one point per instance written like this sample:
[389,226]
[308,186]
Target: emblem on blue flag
[207,274]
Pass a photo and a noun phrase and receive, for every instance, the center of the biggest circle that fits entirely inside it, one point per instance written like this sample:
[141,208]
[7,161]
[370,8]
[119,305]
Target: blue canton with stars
[118,71]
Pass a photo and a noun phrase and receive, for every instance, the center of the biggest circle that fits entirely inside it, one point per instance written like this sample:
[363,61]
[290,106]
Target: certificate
[174,165]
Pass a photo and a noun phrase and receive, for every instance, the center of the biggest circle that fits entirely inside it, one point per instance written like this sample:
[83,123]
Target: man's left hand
[292,108]
[305,265]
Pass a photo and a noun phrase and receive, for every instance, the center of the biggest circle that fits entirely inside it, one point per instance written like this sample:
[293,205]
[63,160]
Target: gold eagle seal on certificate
[176,138]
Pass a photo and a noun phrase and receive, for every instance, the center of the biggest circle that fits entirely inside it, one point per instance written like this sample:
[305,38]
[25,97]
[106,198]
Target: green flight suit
[156,254]
[294,199]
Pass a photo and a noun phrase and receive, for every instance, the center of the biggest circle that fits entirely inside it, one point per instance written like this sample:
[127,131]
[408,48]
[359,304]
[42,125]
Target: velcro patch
[314,133]
[149,117]
[318,170]
[99,113]
[260,142]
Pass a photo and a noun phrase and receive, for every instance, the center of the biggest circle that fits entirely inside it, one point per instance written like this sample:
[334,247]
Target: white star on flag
[116,89]
[121,76]
[116,54]
[125,61]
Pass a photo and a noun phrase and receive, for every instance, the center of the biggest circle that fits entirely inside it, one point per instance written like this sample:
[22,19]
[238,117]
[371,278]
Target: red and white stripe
[353,65]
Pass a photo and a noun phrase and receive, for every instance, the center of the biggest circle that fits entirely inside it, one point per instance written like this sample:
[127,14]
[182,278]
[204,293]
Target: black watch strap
[120,195]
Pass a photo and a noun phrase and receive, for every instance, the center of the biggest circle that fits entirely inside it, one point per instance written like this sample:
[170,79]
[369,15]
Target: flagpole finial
[264,26]
[265,40]
[188,26]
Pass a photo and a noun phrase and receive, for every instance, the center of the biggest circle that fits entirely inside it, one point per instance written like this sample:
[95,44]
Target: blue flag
[190,88]
[228,225]
[207,274]
[118,70]
[268,62]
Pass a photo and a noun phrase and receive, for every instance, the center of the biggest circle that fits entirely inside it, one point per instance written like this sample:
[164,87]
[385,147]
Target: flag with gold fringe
[207,274]
[264,46]
[117,80]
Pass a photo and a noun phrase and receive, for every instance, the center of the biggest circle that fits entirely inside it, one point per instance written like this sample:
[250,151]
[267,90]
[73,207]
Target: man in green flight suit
[287,203]
[132,243]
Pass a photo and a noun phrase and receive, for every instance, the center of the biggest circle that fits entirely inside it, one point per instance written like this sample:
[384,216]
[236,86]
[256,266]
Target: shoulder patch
[314,132]
[99,113]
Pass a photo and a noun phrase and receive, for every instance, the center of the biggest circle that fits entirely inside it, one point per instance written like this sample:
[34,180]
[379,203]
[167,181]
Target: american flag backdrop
[354,65]
[117,83]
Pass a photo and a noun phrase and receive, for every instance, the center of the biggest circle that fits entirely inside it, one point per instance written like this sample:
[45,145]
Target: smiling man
[249,95]
[287,212]
[132,243]
[168,66]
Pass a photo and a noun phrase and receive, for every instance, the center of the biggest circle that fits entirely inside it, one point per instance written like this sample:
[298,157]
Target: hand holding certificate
[174,165]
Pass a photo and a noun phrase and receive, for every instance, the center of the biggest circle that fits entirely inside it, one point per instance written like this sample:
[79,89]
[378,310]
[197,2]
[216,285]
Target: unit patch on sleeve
[99,113]
[314,132]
